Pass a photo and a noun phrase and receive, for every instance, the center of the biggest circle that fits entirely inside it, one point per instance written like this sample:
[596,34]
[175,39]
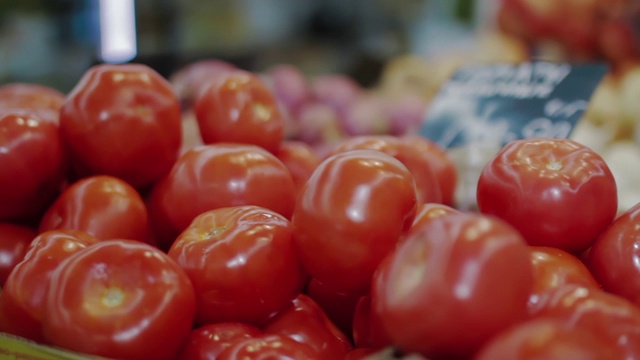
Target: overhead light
[118,42]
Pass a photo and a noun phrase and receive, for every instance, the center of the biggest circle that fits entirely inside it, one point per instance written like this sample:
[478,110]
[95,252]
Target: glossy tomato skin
[538,185]
[103,206]
[242,263]
[14,242]
[119,299]
[306,322]
[208,341]
[337,305]
[34,166]
[220,175]
[41,100]
[453,285]
[122,120]
[300,158]
[368,331]
[24,292]
[238,107]
[350,215]
[613,257]
[547,339]
[272,347]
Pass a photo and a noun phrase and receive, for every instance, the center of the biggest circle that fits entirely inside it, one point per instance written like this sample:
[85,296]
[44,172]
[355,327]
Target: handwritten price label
[499,103]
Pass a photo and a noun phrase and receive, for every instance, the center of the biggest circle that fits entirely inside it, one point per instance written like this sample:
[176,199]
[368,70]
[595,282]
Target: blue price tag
[499,103]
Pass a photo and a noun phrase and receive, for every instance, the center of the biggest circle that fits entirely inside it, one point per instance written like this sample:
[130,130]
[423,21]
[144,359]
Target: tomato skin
[546,339]
[103,206]
[360,354]
[30,98]
[14,242]
[24,292]
[300,158]
[613,257]
[34,165]
[208,341]
[122,120]
[238,107]
[546,180]
[242,263]
[306,322]
[120,299]
[271,347]
[350,215]
[338,306]
[368,331]
[469,267]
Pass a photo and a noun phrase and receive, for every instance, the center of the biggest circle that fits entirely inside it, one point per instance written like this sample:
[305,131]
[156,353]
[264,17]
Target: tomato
[429,211]
[613,258]
[306,322]
[219,175]
[452,285]
[119,299]
[427,186]
[338,306]
[122,120]
[190,80]
[350,215]
[538,186]
[300,158]
[360,354]
[610,317]
[103,206]
[547,339]
[272,347]
[30,98]
[239,107]
[553,268]
[242,263]
[208,341]
[23,294]
[368,331]
[14,241]
[34,166]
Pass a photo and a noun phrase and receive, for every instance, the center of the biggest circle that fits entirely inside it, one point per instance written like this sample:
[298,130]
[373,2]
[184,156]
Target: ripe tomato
[120,299]
[122,120]
[42,101]
[23,294]
[553,268]
[242,263]
[34,166]
[219,175]
[453,285]
[14,241]
[238,107]
[306,322]
[429,211]
[537,185]
[547,339]
[192,79]
[272,347]
[613,258]
[360,354]
[368,331]
[350,215]
[338,306]
[103,206]
[300,158]
[208,341]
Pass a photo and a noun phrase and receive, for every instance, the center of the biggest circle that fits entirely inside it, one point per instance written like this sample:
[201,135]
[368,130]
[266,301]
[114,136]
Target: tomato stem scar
[113,297]
[554,165]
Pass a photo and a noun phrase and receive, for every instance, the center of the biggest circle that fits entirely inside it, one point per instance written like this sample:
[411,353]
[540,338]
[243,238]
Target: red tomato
[453,285]
[120,299]
[350,215]
[242,263]
[549,340]
[122,120]
[14,241]
[553,268]
[420,166]
[613,258]
[538,186]
[208,341]
[30,98]
[238,107]
[23,294]
[271,347]
[306,322]
[34,166]
[103,206]
[610,317]
[219,175]
[339,306]
[429,211]
[192,79]
[360,354]
[368,331]
[300,158]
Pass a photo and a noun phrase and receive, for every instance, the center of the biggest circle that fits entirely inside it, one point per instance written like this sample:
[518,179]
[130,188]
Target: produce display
[221,213]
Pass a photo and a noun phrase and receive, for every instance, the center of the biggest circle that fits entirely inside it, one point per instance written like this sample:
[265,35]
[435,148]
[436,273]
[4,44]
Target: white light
[117,31]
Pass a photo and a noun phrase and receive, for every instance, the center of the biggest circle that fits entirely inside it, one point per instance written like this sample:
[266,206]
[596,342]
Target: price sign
[499,103]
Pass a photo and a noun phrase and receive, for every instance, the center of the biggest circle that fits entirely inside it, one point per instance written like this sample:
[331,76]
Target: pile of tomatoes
[123,238]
